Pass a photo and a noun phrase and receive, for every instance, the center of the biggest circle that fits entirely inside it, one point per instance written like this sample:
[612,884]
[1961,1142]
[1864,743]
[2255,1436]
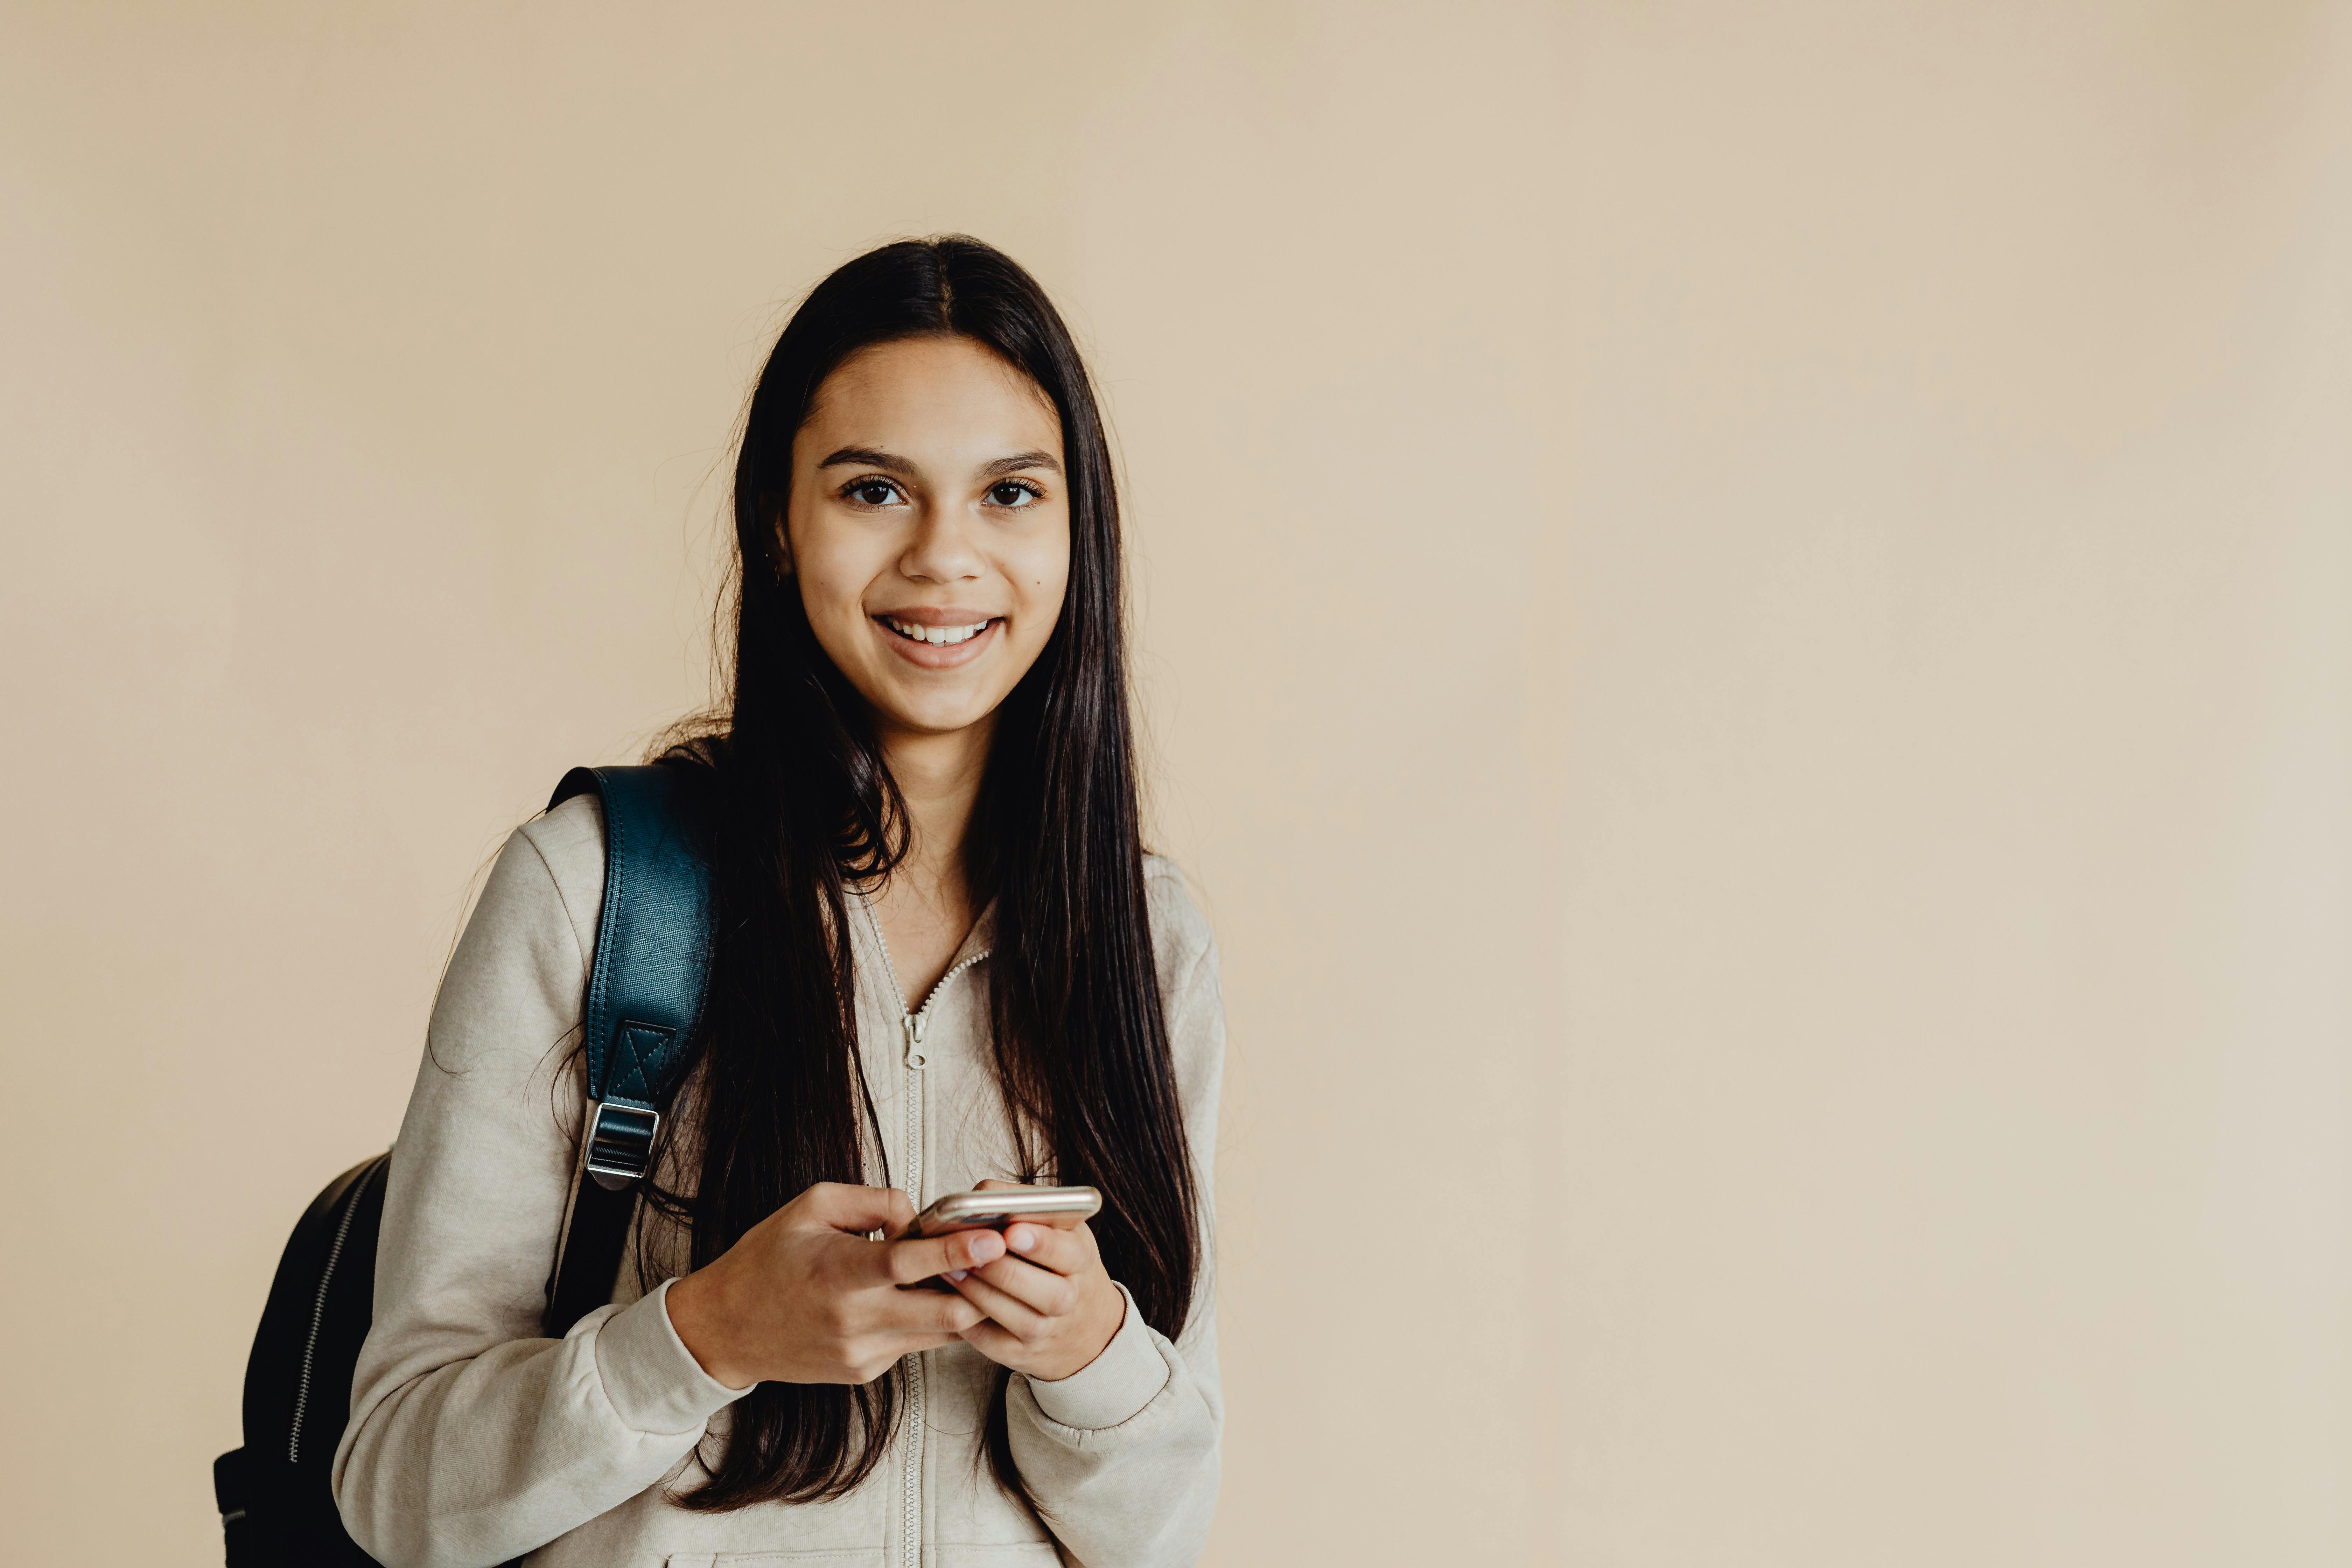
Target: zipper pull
[915,1023]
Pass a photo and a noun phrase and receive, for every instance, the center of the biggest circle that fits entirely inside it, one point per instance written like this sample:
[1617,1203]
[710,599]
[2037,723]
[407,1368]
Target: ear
[780,536]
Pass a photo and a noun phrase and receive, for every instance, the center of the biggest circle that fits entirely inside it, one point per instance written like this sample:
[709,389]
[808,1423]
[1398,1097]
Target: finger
[905,1262]
[926,1312]
[1049,1295]
[1007,1311]
[991,1340]
[857,1210]
[1054,1248]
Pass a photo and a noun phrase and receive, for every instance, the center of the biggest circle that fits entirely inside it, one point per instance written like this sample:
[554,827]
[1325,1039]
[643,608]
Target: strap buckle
[621,1142]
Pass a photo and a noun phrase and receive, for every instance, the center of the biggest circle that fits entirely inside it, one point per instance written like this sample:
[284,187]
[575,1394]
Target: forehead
[945,397]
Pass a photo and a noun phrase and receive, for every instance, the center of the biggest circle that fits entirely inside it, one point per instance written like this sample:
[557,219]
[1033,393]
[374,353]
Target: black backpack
[645,999]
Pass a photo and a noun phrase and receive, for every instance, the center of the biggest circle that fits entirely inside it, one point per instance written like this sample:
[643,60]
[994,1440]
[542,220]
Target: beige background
[1746,614]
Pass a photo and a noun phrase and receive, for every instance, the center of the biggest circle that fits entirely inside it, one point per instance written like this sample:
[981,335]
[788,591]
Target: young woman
[942,960]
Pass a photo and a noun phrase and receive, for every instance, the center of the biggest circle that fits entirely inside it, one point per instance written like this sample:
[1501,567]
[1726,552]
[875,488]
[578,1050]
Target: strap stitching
[599,1040]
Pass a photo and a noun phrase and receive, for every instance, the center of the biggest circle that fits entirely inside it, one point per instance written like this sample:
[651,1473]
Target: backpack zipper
[319,1314]
[910,1366]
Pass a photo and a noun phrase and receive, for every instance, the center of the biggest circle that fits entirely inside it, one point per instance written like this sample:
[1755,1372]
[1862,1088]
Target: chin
[935,718]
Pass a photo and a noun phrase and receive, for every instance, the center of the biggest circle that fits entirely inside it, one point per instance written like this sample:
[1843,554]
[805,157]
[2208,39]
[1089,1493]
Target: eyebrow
[869,457]
[1018,461]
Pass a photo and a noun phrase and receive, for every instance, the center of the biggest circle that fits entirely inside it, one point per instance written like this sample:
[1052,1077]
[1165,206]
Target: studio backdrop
[1745,619]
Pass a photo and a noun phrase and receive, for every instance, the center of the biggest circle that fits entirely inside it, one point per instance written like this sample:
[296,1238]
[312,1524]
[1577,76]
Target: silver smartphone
[1000,1206]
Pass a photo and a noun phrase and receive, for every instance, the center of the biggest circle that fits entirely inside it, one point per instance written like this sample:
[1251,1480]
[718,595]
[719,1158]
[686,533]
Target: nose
[943,549]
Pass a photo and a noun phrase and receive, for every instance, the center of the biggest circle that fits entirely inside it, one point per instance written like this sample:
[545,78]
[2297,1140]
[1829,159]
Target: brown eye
[873,492]
[1012,492]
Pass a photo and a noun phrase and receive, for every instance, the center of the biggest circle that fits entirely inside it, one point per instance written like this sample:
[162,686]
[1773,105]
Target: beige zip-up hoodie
[473,1440]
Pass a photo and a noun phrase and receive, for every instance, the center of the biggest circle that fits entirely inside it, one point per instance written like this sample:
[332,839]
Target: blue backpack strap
[652,963]
[646,989]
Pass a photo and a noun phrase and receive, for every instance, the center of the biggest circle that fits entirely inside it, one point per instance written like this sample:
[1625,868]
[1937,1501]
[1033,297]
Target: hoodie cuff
[652,1379]
[1114,1386]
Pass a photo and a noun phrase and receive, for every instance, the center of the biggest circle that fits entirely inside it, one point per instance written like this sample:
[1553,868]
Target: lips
[944,647]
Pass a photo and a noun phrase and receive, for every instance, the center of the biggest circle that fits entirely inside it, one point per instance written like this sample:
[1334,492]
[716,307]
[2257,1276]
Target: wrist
[1107,1315]
[699,1317]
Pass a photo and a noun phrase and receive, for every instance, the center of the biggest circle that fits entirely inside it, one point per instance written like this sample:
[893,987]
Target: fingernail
[1021,1238]
[956,1275]
[987,1245]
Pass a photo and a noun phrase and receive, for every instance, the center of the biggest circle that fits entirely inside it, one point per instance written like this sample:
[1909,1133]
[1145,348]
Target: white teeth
[938,637]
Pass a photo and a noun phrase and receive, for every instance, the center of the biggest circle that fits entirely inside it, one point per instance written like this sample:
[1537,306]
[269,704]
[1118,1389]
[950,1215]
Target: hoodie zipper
[910,1366]
[319,1314]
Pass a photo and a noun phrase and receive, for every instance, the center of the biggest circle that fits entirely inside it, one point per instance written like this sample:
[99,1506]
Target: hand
[805,1297]
[1051,1309]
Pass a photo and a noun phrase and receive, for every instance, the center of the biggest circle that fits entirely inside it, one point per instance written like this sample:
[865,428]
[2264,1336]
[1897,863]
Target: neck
[938,777]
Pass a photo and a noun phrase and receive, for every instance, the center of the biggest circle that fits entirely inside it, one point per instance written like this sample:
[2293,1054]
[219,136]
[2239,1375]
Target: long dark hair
[802,805]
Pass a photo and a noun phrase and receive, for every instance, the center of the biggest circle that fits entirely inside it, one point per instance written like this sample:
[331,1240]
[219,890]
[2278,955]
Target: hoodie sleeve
[1122,1456]
[472,1438]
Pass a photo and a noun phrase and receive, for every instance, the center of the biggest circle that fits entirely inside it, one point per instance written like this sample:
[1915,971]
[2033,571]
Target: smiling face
[929,529]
